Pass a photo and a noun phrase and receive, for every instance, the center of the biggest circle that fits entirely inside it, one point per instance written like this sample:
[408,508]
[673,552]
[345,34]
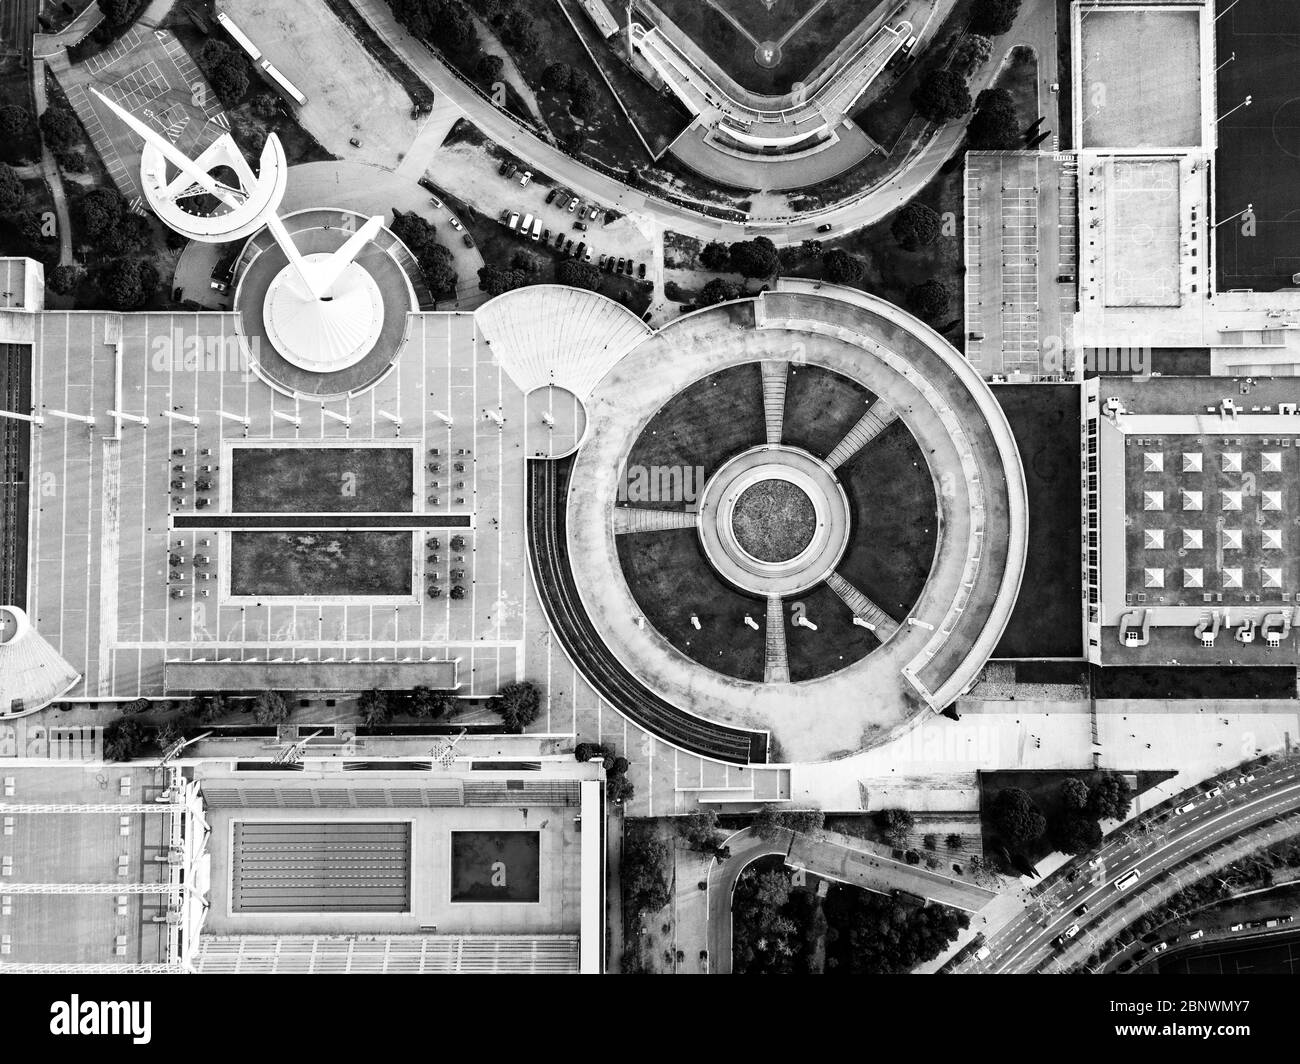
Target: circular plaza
[802,514]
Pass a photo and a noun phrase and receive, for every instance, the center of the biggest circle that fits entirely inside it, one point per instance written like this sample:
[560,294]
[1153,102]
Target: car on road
[1199,933]
[1067,934]
[435,201]
[824,228]
[1159,947]
[1081,910]
[1185,808]
[1128,879]
[550,196]
[527,176]
[1141,955]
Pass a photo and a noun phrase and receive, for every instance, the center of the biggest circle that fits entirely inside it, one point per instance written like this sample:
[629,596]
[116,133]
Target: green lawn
[321,479]
[671,579]
[894,518]
[836,644]
[320,563]
[820,407]
[704,425]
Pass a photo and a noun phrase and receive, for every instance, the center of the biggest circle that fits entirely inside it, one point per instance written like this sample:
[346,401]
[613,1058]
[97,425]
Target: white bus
[1128,879]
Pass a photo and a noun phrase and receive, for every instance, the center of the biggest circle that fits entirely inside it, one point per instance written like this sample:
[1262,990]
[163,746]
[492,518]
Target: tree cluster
[719,290]
[995,125]
[942,96]
[895,825]
[645,868]
[518,703]
[227,70]
[929,300]
[839,267]
[494,279]
[870,934]
[435,260]
[768,821]
[753,258]
[445,23]
[916,226]
[582,91]
[994,16]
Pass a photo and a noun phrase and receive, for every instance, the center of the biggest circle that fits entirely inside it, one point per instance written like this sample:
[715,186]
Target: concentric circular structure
[802,514]
[324,336]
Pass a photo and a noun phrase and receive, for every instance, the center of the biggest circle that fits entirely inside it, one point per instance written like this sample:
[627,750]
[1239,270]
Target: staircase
[776,667]
[881,623]
[644,519]
[774,398]
[868,427]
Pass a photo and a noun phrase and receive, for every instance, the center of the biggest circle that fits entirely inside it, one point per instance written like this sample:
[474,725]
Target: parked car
[511,170]
[354,142]
[527,176]
[592,212]
[582,226]
[580,250]
[1237,927]
[546,236]
[467,240]
[1217,792]
[550,196]
[436,202]
[600,263]
[562,200]
[1159,947]
[568,246]
[504,168]
[640,270]
[455,224]
[505,216]
[573,204]
[1199,933]
[559,240]
[630,264]
[619,267]
[1185,808]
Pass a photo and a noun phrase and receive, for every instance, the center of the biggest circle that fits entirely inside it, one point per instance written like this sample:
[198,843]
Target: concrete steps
[774,398]
[776,666]
[881,623]
[868,427]
[644,519]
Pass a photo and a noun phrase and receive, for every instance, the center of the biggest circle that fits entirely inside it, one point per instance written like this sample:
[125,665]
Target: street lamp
[1244,103]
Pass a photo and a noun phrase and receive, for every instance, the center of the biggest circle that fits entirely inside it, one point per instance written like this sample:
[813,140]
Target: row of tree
[1075,823]
[420,236]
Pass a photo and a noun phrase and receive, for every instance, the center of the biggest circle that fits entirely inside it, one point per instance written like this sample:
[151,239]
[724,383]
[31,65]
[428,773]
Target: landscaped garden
[321,563]
[820,408]
[321,479]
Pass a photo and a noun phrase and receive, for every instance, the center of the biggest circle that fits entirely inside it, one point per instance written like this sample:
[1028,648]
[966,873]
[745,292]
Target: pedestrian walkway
[773,398]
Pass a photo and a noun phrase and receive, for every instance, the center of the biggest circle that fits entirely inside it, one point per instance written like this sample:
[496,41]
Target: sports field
[1259,146]
[1276,955]
[1135,94]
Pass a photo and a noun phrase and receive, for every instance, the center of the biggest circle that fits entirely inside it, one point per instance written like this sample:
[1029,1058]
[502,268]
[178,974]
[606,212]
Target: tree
[583,94]
[1074,793]
[59,128]
[101,211]
[74,162]
[119,12]
[768,821]
[439,269]
[128,284]
[123,740]
[1075,832]
[454,29]
[266,105]
[494,280]
[715,257]
[578,274]
[64,279]
[1016,818]
[929,300]
[230,79]
[971,51]
[520,32]
[557,76]
[953,841]
[719,290]
[11,189]
[839,267]
[619,790]
[895,824]
[699,828]
[1110,798]
[995,125]
[942,96]
[374,707]
[916,226]
[518,703]
[994,16]
[644,869]
[15,122]
[754,258]
[490,67]
[271,707]
[428,704]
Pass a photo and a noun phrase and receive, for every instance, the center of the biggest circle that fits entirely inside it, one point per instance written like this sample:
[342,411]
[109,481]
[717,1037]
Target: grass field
[820,407]
[671,579]
[321,479]
[894,518]
[705,424]
[331,563]
[836,644]
[1048,618]
[730,31]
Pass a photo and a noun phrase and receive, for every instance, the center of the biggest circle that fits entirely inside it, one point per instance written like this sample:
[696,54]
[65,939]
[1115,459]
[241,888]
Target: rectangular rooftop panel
[312,867]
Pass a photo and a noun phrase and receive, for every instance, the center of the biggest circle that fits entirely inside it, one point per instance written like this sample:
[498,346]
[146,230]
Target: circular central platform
[328,334]
[774,520]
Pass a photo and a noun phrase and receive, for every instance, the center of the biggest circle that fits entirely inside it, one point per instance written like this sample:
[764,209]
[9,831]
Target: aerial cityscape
[650,487]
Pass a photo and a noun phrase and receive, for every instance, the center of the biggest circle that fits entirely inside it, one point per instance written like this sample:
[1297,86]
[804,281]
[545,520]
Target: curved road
[1026,943]
[1035,25]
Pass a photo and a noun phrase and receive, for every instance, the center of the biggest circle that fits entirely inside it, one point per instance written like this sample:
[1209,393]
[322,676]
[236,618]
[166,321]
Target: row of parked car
[529,227]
